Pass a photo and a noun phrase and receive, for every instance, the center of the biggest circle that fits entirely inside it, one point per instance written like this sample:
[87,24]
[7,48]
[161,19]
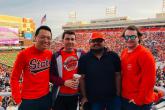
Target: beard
[97,51]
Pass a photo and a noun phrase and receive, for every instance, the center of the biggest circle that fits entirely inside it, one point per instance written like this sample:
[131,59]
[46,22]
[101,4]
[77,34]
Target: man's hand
[132,101]
[18,104]
[71,83]
[84,100]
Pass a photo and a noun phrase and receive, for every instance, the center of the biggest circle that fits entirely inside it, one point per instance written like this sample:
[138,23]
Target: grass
[8,58]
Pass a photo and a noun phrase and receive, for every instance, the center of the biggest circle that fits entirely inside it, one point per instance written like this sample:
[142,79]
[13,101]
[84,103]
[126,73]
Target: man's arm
[118,83]
[117,63]
[54,78]
[148,78]
[82,86]
[19,65]
[82,71]
[82,90]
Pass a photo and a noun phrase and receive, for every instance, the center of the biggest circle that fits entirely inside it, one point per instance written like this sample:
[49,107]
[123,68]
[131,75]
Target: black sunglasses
[132,37]
[97,40]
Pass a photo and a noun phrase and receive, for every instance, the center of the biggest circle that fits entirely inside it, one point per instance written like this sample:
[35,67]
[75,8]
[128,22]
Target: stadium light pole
[111,11]
[163,6]
[72,16]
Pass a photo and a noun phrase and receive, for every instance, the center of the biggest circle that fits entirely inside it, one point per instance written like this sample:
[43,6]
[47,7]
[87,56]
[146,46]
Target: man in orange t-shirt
[138,72]
[32,66]
[64,65]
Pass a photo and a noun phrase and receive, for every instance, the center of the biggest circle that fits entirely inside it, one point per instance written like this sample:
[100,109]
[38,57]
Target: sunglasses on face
[132,37]
[97,40]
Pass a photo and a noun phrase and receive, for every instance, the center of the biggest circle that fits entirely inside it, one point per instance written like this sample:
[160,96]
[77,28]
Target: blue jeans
[114,104]
[131,106]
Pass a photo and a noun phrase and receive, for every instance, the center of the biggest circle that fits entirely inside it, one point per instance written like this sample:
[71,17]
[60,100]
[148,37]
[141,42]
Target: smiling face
[69,42]
[43,39]
[131,42]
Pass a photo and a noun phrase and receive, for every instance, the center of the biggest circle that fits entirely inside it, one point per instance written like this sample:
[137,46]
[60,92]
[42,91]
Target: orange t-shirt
[33,65]
[138,75]
[70,64]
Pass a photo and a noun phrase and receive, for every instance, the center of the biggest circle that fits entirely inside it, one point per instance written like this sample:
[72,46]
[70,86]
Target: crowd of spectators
[4,78]
[6,100]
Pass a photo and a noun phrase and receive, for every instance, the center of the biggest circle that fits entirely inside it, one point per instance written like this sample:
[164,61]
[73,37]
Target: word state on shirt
[37,66]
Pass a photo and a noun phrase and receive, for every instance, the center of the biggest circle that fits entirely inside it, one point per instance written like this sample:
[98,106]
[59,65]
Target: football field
[8,58]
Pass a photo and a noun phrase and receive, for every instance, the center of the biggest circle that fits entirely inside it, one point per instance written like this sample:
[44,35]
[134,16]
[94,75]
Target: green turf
[8,58]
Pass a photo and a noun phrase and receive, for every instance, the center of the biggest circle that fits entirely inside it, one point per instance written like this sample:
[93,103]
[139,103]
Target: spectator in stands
[11,105]
[100,81]
[63,66]
[138,72]
[1,108]
[33,65]
[7,83]
[159,93]
[5,101]
[159,96]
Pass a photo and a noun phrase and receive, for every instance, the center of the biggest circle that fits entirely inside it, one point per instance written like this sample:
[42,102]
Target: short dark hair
[68,32]
[133,28]
[44,28]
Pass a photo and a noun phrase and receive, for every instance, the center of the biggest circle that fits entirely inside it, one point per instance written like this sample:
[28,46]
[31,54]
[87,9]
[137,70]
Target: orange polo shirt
[138,75]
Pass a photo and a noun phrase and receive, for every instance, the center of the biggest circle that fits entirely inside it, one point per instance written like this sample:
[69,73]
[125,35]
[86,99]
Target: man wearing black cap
[100,81]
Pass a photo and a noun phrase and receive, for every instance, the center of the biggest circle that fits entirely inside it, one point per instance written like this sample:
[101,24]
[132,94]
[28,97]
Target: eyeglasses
[132,37]
[97,40]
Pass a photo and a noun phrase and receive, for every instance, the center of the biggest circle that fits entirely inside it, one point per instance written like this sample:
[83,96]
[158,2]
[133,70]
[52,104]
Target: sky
[57,11]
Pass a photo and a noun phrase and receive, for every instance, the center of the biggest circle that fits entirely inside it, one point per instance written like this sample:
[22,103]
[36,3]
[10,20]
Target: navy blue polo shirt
[100,75]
